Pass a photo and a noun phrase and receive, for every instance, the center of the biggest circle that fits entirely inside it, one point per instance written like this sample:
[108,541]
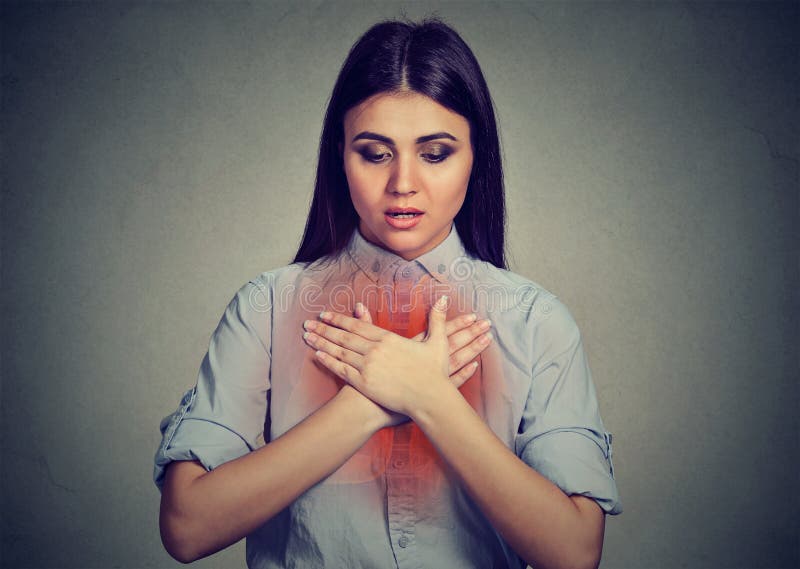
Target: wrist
[361,411]
[435,403]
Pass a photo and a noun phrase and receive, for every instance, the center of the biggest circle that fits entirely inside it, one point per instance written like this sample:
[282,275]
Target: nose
[403,179]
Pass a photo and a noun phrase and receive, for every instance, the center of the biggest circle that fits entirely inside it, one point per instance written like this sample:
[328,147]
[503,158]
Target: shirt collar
[439,261]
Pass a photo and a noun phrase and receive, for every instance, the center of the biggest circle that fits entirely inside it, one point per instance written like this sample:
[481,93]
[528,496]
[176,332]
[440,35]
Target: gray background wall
[156,156]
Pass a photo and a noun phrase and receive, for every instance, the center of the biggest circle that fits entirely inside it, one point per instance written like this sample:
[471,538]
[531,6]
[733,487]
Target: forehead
[403,115]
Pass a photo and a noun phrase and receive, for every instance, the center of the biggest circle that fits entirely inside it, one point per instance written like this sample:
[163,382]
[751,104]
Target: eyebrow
[366,135]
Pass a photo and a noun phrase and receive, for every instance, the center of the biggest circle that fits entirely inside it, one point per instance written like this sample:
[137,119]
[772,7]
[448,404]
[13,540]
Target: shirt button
[399,464]
[406,272]
[376,266]
[403,542]
[441,268]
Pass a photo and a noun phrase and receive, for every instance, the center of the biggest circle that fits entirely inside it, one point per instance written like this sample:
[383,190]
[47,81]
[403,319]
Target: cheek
[451,188]
[454,205]
[364,184]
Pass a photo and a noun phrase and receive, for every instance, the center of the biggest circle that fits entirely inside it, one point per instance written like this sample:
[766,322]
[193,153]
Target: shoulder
[260,292]
[541,316]
[510,291]
[267,280]
[298,272]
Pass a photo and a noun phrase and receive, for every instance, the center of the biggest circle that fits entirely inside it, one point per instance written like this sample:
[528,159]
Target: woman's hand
[466,338]
[383,416]
[393,371]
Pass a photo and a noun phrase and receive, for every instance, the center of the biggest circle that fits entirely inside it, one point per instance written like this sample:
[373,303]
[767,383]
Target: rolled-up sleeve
[562,435]
[222,417]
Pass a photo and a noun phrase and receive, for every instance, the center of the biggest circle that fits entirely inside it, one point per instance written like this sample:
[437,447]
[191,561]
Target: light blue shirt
[394,503]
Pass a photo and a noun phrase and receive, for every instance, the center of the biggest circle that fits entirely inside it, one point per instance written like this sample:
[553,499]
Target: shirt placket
[402,482]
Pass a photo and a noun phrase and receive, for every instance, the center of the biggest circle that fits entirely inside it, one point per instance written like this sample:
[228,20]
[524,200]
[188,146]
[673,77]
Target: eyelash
[381,158]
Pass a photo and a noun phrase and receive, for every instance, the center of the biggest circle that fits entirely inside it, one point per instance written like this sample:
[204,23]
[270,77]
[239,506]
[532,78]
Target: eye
[436,158]
[376,158]
[375,154]
[436,153]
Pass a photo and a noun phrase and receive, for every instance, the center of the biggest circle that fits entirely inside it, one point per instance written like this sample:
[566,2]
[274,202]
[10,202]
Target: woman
[353,410]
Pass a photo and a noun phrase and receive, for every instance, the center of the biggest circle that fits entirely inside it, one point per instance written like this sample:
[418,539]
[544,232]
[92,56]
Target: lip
[403,210]
[403,223]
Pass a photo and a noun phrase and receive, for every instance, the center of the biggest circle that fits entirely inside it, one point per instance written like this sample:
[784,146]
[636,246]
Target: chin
[402,242]
[404,245]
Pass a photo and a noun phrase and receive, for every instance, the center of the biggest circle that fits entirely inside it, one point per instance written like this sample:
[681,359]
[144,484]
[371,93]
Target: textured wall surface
[156,156]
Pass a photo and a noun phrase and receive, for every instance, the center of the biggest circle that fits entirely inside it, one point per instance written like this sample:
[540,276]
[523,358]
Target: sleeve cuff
[219,445]
[576,463]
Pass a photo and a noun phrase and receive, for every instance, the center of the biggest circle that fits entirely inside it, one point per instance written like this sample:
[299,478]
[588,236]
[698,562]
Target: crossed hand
[394,372]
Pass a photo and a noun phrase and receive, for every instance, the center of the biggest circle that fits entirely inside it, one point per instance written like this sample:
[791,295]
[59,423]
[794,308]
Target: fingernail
[470,318]
[323,315]
[485,324]
[441,303]
[309,324]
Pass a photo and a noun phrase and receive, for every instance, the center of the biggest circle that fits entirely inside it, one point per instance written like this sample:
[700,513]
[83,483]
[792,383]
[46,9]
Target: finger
[461,376]
[437,317]
[459,323]
[452,326]
[468,353]
[362,313]
[466,335]
[338,336]
[334,350]
[363,329]
[339,368]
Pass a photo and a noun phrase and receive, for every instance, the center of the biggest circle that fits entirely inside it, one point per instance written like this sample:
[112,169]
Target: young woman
[353,409]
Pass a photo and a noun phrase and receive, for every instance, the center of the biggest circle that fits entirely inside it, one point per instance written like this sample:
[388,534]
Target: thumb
[437,318]
[362,313]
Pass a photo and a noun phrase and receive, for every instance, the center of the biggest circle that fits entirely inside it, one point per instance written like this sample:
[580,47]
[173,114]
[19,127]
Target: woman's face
[406,152]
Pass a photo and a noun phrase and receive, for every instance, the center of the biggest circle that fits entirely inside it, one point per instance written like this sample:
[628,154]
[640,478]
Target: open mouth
[397,215]
[403,217]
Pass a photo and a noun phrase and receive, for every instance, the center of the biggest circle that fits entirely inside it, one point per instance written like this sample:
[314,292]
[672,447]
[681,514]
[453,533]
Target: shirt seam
[225,427]
[250,328]
[577,431]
